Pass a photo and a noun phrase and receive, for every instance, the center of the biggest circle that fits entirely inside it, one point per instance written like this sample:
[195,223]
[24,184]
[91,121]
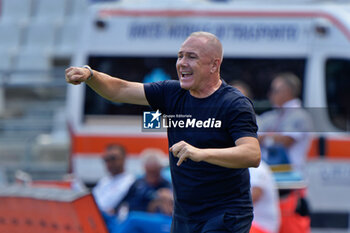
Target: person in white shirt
[288,125]
[265,199]
[111,189]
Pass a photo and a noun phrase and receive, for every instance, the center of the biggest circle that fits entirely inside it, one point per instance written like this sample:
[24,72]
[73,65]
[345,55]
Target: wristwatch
[91,72]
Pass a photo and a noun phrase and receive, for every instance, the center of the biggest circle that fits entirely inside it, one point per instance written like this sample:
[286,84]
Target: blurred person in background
[284,135]
[163,202]
[148,206]
[265,200]
[286,129]
[111,189]
[243,87]
[148,191]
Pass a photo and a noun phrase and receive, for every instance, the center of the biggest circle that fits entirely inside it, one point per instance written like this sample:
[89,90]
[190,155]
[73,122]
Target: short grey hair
[154,155]
[292,81]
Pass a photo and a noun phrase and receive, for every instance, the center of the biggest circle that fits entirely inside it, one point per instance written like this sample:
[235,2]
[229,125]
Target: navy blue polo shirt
[203,190]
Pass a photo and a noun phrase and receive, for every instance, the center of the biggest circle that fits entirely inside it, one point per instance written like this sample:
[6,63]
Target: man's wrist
[91,72]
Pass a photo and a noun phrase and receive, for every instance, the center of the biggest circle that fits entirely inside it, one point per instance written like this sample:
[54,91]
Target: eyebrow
[188,53]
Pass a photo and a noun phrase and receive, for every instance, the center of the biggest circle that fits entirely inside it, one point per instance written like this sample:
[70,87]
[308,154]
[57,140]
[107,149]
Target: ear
[215,66]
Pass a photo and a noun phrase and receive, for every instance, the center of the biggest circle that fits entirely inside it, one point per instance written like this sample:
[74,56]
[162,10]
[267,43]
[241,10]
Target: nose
[182,61]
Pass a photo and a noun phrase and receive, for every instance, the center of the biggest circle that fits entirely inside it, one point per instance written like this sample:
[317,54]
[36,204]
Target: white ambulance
[139,41]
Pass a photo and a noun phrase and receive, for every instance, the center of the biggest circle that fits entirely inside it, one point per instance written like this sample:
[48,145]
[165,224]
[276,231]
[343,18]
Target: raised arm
[111,88]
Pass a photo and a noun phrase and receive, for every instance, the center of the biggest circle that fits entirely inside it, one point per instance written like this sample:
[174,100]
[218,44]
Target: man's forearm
[242,156]
[113,89]
[245,154]
[106,86]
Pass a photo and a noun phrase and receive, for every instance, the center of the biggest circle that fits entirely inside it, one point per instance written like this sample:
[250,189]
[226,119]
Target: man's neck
[207,90]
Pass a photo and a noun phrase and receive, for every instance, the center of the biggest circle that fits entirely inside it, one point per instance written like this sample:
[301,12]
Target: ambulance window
[338,94]
[258,74]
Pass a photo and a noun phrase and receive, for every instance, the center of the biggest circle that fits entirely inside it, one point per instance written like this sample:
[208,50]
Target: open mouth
[186,74]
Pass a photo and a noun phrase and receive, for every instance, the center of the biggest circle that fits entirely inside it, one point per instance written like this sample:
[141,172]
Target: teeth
[184,73]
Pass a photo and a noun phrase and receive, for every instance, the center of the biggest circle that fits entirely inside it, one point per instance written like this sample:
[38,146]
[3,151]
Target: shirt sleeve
[242,120]
[160,94]
[155,95]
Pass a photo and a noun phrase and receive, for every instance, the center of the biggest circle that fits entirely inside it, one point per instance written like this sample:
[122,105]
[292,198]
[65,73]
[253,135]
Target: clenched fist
[77,75]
